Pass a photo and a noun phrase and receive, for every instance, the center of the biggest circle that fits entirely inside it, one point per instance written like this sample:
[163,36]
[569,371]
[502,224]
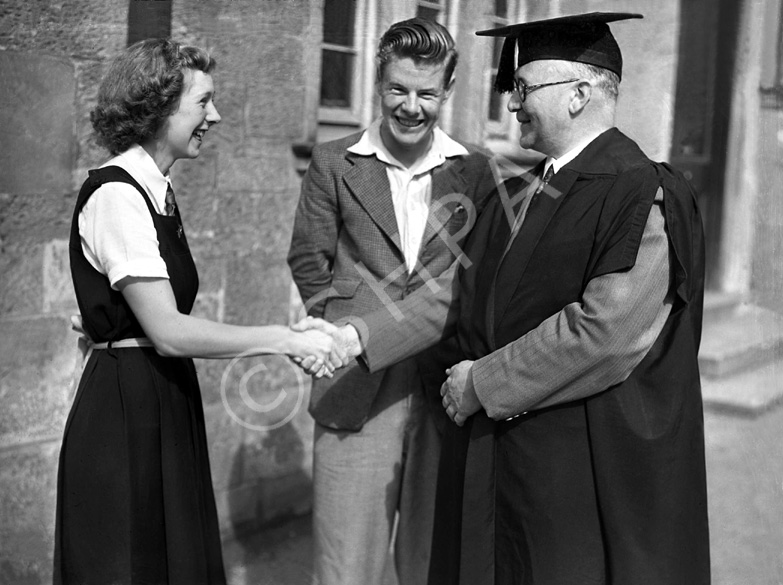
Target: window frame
[346,116]
[441,7]
[502,129]
[771,87]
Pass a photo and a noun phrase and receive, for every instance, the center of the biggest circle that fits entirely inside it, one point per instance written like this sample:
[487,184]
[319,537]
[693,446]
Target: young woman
[135,501]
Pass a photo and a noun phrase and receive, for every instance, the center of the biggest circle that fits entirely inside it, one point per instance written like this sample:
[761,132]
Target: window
[497,115]
[432,10]
[772,56]
[347,89]
[497,101]
[338,54]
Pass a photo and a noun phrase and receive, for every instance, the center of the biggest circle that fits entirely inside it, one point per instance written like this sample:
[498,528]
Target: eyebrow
[396,85]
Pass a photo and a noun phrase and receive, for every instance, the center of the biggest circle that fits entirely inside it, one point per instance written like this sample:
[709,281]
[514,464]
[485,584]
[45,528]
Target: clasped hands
[459,396]
[345,346]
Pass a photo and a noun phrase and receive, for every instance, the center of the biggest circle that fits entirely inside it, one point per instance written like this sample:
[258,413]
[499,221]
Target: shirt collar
[442,147]
[142,167]
[559,163]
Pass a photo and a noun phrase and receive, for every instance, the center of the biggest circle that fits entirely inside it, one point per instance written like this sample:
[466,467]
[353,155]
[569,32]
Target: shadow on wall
[276,489]
[261,450]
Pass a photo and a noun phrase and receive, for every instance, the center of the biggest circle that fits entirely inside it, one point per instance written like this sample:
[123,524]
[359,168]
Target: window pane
[338,22]
[501,8]
[428,13]
[336,79]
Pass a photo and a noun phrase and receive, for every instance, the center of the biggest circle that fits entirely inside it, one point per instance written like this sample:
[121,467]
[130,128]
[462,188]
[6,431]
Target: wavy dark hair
[141,89]
[420,39]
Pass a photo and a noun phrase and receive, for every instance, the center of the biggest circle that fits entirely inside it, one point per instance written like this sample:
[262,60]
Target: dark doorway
[707,46]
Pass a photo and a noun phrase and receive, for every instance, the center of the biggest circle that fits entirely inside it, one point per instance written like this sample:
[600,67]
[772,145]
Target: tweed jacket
[346,257]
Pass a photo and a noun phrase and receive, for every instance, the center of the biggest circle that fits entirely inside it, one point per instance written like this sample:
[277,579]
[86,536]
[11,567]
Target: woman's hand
[316,352]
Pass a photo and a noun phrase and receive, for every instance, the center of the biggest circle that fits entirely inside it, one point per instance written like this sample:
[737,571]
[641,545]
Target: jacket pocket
[343,288]
[340,298]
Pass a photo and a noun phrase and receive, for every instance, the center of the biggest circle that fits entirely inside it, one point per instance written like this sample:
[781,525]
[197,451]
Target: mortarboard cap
[584,38]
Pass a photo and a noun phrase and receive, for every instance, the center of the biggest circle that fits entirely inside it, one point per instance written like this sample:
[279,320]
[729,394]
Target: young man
[581,458]
[382,213]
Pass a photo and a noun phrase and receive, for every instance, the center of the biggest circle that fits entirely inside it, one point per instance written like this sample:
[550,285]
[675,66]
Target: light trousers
[362,480]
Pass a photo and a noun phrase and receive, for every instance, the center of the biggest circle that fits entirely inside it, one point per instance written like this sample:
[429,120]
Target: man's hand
[459,395]
[346,338]
[347,344]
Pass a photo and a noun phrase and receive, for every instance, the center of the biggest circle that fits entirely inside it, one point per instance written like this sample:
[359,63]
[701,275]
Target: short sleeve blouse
[117,233]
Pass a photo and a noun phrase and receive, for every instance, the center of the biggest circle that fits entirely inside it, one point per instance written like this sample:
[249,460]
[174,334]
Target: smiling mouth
[199,135]
[409,123]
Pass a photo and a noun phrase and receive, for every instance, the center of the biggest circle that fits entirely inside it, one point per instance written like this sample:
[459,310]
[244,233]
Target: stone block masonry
[237,201]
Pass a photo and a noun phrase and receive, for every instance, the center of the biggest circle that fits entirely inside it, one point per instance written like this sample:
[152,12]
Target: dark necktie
[171,203]
[545,180]
[524,211]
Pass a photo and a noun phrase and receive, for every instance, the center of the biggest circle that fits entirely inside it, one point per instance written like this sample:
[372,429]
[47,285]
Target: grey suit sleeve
[588,346]
[314,239]
[403,329]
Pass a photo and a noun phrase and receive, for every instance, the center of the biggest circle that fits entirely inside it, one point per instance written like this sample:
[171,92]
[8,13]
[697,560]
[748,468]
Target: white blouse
[117,232]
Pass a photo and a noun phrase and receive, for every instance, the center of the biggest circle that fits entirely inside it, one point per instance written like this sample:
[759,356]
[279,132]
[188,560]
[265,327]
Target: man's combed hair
[423,41]
[141,89]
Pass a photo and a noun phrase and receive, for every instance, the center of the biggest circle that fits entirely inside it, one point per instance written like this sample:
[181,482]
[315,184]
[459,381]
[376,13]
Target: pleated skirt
[134,496]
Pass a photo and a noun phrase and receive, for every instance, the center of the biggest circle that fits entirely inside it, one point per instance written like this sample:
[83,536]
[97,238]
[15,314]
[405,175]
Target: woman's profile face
[183,131]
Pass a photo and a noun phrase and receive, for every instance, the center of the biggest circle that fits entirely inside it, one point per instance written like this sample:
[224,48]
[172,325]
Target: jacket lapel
[512,266]
[368,182]
[448,196]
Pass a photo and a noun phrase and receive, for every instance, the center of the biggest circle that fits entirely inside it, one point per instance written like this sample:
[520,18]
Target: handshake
[334,346]
[324,347]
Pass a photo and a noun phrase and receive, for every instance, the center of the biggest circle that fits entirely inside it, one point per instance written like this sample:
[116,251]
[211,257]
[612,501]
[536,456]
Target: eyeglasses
[523,90]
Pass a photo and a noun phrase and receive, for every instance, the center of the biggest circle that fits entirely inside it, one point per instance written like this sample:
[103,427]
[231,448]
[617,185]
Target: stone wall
[767,268]
[645,108]
[240,204]
[51,59]
[237,202]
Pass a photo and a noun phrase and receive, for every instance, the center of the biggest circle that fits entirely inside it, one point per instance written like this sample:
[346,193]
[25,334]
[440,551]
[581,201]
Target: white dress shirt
[411,188]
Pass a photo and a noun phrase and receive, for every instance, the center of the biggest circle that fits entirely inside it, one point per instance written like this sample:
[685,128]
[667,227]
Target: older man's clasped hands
[459,396]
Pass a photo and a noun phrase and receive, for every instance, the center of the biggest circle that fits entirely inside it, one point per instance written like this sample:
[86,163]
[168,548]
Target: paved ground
[280,555]
[745,480]
[745,474]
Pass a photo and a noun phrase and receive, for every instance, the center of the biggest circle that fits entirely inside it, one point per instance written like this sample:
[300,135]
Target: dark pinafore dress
[134,493]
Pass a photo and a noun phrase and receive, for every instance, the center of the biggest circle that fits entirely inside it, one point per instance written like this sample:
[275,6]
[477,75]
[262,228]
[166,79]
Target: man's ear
[449,89]
[583,92]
